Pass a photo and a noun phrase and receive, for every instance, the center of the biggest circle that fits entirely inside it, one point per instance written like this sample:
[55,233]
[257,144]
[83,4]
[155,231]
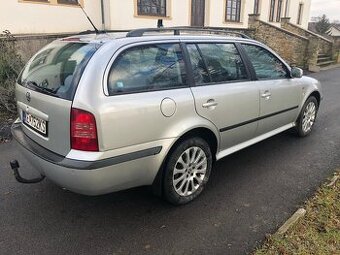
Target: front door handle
[210,103]
[266,95]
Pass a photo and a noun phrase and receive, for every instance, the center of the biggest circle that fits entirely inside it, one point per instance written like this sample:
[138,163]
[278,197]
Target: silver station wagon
[101,113]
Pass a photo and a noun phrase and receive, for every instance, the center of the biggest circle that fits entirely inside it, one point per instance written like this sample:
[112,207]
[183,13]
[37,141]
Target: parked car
[103,113]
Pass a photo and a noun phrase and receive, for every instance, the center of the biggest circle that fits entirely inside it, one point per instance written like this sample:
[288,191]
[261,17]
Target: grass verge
[318,232]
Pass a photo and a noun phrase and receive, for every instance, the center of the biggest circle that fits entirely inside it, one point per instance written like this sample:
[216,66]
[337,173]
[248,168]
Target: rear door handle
[210,103]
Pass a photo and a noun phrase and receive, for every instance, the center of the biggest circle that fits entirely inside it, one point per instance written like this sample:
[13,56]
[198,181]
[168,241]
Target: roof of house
[336,26]
[312,27]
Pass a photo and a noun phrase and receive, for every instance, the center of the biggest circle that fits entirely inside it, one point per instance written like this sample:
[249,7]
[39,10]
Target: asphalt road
[250,194]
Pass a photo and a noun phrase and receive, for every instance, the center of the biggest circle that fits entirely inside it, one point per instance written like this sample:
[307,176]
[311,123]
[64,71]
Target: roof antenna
[81,7]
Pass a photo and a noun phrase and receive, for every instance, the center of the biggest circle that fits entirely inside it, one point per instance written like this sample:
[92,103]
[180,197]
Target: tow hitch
[15,167]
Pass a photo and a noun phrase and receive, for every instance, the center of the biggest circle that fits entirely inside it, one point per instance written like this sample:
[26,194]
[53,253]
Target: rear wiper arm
[34,85]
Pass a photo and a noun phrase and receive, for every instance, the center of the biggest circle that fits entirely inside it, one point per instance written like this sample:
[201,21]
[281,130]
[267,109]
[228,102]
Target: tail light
[83,131]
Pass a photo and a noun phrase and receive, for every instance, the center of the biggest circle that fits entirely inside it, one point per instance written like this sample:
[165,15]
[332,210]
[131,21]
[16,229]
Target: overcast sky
[329,7]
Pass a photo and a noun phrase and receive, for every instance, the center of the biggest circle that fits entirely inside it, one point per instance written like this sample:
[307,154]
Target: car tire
[307,117]
[187,171]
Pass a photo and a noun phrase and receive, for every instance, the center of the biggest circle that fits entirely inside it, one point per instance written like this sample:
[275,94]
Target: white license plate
[35,123]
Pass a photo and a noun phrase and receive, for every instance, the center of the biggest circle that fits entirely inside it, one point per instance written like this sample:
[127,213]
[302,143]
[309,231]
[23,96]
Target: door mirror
[296,72]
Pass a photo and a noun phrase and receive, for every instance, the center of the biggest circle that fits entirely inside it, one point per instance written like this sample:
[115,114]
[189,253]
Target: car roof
[105,37]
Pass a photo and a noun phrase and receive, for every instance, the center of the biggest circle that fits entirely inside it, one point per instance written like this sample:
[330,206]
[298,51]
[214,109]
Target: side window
[147,68]
[220,63]
[266,65]
[200,72]
[223,62]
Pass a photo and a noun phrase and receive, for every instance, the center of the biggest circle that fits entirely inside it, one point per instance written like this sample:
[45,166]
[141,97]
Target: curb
[301,212]
[333,180]
[330,67]
[291,221]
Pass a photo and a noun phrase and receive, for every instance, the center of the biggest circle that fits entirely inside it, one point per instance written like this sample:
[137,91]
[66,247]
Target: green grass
[318,232]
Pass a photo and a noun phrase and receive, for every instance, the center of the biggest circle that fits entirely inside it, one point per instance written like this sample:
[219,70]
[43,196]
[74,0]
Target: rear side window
[266,65]
[216,63]
[57,68]
[199,69]
[147,68]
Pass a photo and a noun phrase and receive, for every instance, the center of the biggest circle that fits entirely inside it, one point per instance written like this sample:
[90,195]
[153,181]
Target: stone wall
[337,42]
[291,47]
[28,45]
[246,31]
[337,48]
[325,45]
[297,46]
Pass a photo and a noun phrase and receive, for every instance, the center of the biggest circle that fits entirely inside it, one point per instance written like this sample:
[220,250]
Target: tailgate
[42,110]
[45,91]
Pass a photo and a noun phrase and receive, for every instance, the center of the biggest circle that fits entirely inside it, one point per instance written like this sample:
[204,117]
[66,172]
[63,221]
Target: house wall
[25,17]
[29,17]
[294,9]
[334,31]
[123,15]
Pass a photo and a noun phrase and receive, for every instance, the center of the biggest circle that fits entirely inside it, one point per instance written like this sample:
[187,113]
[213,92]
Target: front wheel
[306,120]
[187,171]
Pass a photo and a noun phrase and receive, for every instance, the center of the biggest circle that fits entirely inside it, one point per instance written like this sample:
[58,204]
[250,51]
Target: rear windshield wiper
[35,86]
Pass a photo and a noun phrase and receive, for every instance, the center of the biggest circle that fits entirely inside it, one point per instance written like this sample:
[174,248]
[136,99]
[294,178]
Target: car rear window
[57,68]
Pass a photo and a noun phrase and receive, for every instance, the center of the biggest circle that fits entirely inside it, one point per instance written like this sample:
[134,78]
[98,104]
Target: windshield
[57,68]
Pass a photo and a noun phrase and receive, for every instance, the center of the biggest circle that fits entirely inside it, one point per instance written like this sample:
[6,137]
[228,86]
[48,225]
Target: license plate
[35,123]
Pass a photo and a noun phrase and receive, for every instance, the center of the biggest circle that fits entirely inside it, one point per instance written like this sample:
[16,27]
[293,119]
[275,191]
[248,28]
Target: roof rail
[103,31]
[178,30]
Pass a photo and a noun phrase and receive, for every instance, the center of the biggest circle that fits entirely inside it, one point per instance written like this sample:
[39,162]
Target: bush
[10,66]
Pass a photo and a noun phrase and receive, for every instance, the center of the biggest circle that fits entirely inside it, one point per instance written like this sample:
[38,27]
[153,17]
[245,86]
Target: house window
[275,10]
[272,10]
[256,6]
[233,12]
[299,20]
[151,7]
[74,2]
[46,1]
[56,2]
[279,11]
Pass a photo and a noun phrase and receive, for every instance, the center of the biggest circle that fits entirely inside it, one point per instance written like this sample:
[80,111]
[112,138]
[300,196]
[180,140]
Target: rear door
[223,91]
[45,91]
[148,95]
[280,95]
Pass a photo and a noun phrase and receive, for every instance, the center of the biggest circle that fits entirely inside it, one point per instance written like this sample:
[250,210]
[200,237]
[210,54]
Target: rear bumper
[92,177]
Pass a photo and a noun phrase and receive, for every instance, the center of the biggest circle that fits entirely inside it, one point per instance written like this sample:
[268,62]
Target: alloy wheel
[308,118]
[189,171]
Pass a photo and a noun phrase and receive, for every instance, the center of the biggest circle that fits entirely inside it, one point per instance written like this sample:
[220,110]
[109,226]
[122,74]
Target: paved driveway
[250,194]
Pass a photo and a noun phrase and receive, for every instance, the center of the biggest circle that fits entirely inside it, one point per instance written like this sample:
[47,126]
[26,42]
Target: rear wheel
[187,171]
[306,120]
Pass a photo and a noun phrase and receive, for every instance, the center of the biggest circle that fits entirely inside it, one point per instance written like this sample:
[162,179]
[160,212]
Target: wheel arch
[315,94]
[204,132]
